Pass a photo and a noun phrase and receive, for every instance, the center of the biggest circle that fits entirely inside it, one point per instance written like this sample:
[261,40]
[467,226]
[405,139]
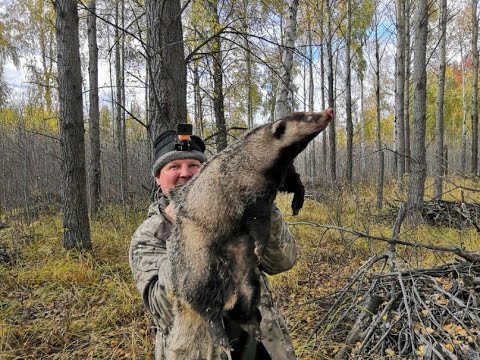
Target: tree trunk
[167,103]
[348,95]
[283,104]
[362,129]
[76,226]
[46,61]
[378,140]
[464,111]
[311,99]
[248,61]
[419,167]
[94,112]
[439,153]
[322,82]
[218,96]
[123,142]
[474,111]
[407,88]
[217,64]
[198,100]
[399,90]
[332,142]
[119,102]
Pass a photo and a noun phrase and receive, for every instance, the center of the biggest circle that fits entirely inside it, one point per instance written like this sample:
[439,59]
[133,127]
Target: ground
[57,304]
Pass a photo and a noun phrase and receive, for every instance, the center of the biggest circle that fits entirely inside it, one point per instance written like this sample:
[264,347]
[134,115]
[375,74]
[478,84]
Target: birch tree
[332,141]
[284,92]
[378,140]
[120,133]
[407,87]
[76,226]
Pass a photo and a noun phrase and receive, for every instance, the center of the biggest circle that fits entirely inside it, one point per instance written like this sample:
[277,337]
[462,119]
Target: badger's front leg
[258,219]
[293,184]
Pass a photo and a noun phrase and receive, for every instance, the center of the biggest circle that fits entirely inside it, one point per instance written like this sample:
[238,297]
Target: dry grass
[56,304]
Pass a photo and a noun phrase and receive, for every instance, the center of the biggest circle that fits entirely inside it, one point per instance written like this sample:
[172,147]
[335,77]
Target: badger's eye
[279,130]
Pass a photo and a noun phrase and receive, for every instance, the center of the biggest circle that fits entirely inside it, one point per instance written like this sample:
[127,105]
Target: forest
[388,261]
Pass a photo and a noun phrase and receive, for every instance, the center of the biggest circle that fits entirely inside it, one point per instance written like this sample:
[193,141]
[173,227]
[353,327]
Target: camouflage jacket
[148,261]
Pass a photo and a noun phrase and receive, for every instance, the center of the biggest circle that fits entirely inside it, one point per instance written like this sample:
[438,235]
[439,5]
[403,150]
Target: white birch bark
[284,92]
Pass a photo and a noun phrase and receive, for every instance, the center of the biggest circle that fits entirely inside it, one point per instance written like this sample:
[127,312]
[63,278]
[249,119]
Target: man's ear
[278,129]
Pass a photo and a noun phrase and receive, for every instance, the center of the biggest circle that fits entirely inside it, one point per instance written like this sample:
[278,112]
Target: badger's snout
[321,118]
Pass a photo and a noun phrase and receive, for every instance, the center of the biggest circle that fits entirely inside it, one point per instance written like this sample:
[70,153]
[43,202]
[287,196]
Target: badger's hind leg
[245,311]
[188,338]
[207,298]
[218,333]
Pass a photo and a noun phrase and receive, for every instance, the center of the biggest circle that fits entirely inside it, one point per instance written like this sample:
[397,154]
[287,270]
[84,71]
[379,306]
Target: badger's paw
[253,329]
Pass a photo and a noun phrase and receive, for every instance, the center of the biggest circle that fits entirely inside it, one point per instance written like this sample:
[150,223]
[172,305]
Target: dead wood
[467,255]
[453,214]
[422,313]
[388,309]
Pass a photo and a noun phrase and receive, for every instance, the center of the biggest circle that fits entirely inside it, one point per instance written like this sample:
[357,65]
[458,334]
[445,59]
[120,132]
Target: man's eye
[173,167]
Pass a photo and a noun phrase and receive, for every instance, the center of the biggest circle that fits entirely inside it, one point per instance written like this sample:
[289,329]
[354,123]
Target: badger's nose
[330,112]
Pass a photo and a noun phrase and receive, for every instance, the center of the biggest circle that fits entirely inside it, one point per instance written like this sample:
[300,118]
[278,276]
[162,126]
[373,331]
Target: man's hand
[170,214]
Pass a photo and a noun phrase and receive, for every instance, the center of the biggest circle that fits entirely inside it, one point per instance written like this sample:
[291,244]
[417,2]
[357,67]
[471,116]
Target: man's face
[177,172]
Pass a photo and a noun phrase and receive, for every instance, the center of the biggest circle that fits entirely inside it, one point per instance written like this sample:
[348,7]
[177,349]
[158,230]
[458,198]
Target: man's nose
[185,172]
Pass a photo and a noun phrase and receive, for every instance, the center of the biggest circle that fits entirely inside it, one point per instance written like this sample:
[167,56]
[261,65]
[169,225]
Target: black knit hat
[165,152]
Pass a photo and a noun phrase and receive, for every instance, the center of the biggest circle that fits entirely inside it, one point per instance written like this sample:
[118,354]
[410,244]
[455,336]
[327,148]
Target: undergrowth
[57,304]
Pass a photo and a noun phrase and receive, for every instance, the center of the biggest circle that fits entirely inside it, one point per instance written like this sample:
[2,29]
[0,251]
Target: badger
[213,270]
[293,184]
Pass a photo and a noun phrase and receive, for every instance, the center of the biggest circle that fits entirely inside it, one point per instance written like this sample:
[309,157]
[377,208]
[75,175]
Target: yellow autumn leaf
[449,328]
[449,347]
[421,350]
[459,331]
[390,352]
[447,286]
[427,330]
[442,301]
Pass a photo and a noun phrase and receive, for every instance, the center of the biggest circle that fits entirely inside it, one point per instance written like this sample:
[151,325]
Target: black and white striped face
[296,128]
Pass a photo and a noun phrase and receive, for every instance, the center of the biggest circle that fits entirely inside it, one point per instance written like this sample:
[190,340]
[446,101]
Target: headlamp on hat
[184,142]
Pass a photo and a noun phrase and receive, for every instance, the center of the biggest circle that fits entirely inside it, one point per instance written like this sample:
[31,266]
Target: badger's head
[293,133]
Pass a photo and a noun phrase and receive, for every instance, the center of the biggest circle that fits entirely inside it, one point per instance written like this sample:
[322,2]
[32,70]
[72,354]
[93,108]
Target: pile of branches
[453,214]
[423,313]
[388,309]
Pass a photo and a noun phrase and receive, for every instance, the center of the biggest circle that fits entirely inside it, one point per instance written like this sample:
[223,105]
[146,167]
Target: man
[149,263]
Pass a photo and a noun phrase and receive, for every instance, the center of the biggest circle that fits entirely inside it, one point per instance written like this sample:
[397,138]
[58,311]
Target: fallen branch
[469,256]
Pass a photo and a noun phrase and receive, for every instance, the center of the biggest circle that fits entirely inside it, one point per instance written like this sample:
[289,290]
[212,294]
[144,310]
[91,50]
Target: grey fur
[212,274]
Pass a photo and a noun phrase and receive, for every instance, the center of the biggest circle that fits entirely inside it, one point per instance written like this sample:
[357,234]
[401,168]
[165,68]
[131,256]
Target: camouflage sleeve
[280,254]
[148,261]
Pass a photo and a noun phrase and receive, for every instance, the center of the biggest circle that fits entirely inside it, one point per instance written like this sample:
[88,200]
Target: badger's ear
[278,129]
